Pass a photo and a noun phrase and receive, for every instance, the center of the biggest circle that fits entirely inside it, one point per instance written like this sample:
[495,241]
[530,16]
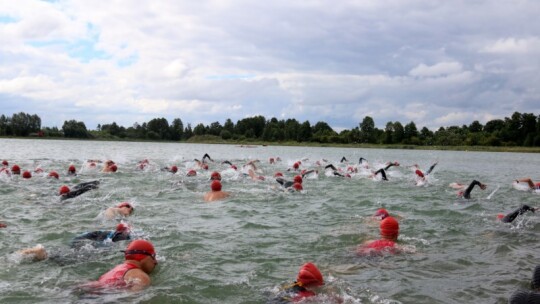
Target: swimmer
[109,167]
[467,193]
[5,163]
[124,209]
[71,170]
[532,185]
[173,169]
[527,297]
[53,174]
[2,225]
[66,193]
[510,217]
[309,276]
[26,174]
[216,193]
[191,173]
[143,164]
[390,164]
[101,237]
[343,159]
[16,170]
[310,173]
[288,184]
[335,171]
[382,172]
[389,230]
[215,176]
[133,273]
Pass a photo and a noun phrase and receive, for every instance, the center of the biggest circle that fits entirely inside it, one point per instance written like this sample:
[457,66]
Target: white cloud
[514,46]
[439,69]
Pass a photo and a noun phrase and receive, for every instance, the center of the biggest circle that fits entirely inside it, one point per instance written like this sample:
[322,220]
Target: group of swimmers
[140,255]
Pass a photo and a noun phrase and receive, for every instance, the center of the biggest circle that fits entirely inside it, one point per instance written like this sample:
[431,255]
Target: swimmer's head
[389,228]
[126,205]
[192,172]
[500,216]
[419,173]
[297,187]
[63,190]
[27,174]
[298,179]
[122,228]
[53,174]
[382,213]
[5,163]
[16,169]
[72,169]
[277,174]
[296,165]
[215,185]
[215,176]
[114,168]
[205,167]
[234,167]
[271,160]
[173,169]
[309,276]
[139,250]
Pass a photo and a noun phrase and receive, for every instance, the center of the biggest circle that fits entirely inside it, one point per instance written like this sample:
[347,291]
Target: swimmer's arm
[431,168]
[331,167]
[137,279]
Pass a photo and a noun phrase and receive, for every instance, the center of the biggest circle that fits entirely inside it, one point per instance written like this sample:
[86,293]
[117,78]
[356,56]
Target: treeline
[517,130]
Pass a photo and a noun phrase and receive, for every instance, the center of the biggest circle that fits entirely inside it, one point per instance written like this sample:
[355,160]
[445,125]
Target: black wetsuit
[335,171]
[80,189]
[343,159]
[519,211]
[98,237]
[467,193]
[431,168]
[383,174]
[227,162]
[307,172]
[285,183]
[524,297]
[390,165]
[205,156]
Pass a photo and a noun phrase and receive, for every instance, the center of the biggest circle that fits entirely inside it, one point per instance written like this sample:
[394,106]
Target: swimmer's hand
[483,186]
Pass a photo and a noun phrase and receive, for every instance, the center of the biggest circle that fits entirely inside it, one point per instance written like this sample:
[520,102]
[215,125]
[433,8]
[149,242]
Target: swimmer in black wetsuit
[383,174]
[510,217]
[99,237]
[66,193]
[334,170]
[528,297]
[205,156]
[388,165]
[343,159]
[467,193]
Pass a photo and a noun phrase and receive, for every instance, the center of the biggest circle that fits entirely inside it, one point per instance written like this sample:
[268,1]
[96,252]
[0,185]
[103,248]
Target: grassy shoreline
[219,141]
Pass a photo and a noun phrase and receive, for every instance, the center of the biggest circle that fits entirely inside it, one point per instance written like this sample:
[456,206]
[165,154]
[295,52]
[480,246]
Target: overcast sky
[437,63]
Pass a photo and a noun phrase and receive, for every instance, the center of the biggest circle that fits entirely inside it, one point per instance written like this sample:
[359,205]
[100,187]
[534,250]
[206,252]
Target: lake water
[243,249]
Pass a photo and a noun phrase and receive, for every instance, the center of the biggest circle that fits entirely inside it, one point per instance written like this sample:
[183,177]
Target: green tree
[75,129]
[177,129]
[160,126]
[367,130]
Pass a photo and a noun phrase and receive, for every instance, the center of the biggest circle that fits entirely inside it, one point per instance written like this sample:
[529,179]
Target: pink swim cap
[389,228]
[138,250]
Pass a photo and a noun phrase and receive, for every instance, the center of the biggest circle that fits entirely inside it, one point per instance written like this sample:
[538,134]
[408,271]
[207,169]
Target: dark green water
[243,249]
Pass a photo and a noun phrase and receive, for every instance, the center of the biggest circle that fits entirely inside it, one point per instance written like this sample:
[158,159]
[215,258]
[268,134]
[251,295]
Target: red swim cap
[5,163]
[297,187]
[205,167]
[309,275]
[298,179]
[114,168]
[124,204]
[27,174]
[122,227]
[38,170]
[260,177]
[138,250]
[296,165]
[71,169]
[271,160]
[215,176]
[278,174]
[54,174]
[382,213]
[234,167]
[192,172]
[174,169]
[16,169]
[419,173]
[216,185]
[63,190]
[389,228]
[500,216]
